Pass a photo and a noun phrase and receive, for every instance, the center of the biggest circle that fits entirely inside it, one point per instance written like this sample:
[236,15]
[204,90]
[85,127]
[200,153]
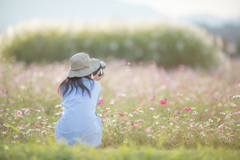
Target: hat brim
[86,71]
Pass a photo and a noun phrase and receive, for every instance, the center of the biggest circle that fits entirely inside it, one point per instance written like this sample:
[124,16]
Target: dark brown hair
[75,82]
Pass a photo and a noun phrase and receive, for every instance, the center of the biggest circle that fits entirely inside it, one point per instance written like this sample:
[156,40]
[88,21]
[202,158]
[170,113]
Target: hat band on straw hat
[79,69]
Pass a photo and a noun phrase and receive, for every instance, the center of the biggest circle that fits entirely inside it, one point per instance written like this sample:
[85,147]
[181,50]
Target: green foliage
[9,151]
[238,47]
[166,44]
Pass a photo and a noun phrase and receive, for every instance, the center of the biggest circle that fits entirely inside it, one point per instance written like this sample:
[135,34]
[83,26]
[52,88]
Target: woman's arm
[97,78]
[98,100]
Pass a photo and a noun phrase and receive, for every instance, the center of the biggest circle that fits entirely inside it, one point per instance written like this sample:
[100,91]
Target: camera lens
[102,65]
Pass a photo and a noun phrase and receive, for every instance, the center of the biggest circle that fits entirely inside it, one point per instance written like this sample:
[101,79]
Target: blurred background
[195,33]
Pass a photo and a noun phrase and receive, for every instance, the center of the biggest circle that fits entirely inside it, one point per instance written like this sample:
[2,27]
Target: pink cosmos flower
[16,136]
[104,111]
[121,114]
[187,109]
[179,94]
[2,105]
[5,129]
[163,101]
[177,112]
[203,116]
[153,98]
[100,101]
[123,61]
[21,127]
[125,119]
[237,113]
[147,129]
[135,126]
[36,126]
[19,112]
[152,109]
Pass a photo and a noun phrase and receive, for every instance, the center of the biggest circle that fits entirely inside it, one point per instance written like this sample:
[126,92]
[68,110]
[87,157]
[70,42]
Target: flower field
[140,104]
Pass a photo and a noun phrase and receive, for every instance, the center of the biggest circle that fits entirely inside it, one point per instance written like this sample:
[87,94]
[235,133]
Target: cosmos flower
[187,109]
[19,112]
[135,126]
[147,129]
[153,98]
[100,101]
[163,101]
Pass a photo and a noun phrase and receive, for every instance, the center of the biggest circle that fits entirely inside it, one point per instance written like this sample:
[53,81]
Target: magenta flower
[121,114]
[5,129]
[187,109]
[100,101]
[163,101]
[36,126]
[203,116]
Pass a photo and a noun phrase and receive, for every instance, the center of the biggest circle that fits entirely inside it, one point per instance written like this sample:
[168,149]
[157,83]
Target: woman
[80,93]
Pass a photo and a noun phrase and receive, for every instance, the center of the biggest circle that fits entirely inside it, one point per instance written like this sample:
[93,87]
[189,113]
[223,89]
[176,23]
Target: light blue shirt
[79,122]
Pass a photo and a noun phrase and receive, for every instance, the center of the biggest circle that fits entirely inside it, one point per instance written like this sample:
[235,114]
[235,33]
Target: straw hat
[82,65]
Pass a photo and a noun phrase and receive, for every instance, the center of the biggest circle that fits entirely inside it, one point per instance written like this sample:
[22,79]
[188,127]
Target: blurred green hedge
[168,45]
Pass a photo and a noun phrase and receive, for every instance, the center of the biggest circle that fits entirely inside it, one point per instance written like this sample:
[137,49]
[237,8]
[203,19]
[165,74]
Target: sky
[210,12]
[177,8]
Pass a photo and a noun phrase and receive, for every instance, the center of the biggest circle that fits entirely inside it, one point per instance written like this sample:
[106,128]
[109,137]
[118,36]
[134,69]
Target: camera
[101,68]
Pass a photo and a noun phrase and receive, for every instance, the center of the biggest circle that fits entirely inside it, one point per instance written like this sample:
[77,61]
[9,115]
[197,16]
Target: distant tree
[238,47]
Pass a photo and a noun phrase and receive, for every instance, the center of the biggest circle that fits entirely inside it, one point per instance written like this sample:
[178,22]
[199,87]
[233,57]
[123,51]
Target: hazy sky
[177,8]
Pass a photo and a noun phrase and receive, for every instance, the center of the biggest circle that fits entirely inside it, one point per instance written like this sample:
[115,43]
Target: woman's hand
[96,77]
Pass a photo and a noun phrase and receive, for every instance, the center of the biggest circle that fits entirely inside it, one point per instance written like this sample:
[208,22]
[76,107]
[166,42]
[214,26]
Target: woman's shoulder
[95,82]
[98,83]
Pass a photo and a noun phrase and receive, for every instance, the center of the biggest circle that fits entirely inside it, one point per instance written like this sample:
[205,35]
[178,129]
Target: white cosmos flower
[236,96]
[5,125]
[128,123]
